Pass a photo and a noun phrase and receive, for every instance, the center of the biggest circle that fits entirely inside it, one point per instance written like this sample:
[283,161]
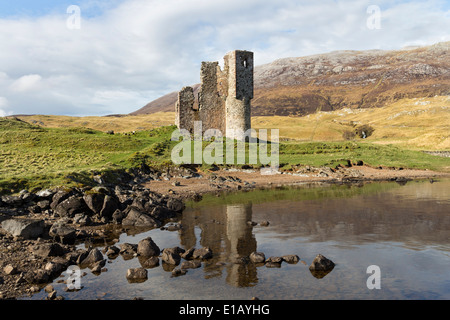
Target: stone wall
[211,104]
[184,109]
[224,97]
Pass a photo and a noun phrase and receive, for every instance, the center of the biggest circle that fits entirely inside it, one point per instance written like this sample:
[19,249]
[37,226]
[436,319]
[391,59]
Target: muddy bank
[230,179]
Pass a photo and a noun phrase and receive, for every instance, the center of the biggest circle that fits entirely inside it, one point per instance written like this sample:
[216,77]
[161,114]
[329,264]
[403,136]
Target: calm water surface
[402,228]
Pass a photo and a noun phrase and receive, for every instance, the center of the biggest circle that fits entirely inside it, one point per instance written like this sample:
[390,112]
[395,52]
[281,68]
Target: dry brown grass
[418,123]
[115,123]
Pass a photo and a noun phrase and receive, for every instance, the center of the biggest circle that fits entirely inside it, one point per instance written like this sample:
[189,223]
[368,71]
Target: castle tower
[238,65]
[223,99]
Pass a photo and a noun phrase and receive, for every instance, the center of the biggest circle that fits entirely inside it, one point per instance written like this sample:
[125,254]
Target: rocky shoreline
[41,231]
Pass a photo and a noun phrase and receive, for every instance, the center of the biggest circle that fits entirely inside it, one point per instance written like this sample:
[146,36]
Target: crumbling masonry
[223,99]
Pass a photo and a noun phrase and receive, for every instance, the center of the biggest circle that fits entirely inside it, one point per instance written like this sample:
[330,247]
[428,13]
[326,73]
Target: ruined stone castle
[223,99]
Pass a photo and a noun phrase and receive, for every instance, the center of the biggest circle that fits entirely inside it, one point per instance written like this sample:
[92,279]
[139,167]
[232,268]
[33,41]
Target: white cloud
[141,49]
[26,83]
[3,105]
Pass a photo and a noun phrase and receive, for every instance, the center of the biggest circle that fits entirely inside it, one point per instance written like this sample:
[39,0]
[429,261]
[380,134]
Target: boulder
[291,258]
[257,257]
[142,204]
[190,264]
[72,206]
[94,201]
[25,228]
[54,269]
[45,194]
[147,248]
[118,216]
[274,262]
[49,288]
[45,250]
[82,219]
[110,205]
[81,254]
[137,275]
[112,252]
[171,256]
[187,255]
[178,272]
[97,266]
[275,259]
[270,264]
[63,233]
[202,253]
[61,261]
[52,295]
[39,276]
[124,197]
[172,226]
[321,266]
[59,197]
[137,218]
[161,213]
[93,256]
[321,263]
[175,205]
[34,209]
[14,201]
[128,250]
[148,262]
[10,270]
[82,234]
[43,204]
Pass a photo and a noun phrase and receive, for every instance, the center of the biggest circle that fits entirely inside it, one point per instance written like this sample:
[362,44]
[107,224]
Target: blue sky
[129,52]
[36,8]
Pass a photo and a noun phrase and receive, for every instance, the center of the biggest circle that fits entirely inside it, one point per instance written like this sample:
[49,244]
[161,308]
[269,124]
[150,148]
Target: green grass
[35,157]
[332,153]
[31,156]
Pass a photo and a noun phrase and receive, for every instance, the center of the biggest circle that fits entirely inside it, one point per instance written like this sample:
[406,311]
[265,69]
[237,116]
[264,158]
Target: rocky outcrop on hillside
[359,68]
[352,79]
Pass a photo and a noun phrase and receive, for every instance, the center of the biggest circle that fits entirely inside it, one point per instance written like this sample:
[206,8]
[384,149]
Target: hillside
[341,79]
[416,123]
[115,123]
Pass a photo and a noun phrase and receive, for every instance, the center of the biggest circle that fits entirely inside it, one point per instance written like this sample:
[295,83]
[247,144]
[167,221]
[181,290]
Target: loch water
[402,228]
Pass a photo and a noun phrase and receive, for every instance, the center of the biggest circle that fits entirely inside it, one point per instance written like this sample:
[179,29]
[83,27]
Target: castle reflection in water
[227,231]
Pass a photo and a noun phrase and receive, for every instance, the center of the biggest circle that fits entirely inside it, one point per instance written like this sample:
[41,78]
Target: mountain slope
[341,79]
[165,103]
